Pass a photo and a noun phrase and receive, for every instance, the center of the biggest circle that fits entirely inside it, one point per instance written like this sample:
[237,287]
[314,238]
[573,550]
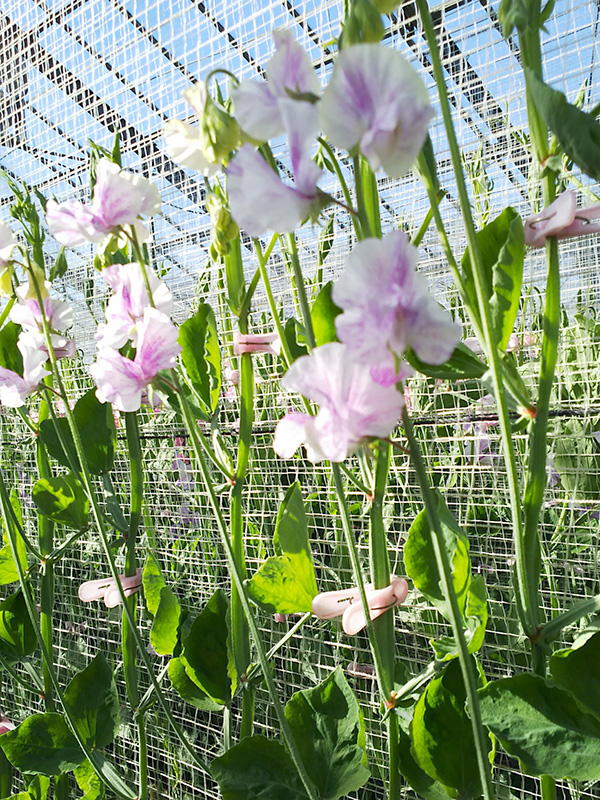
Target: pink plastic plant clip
[562,219]
[256,343]
[106,589]
[379,601]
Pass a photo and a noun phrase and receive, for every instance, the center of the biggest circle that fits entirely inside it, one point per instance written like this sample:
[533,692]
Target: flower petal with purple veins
[376,101]
[72,224]
[257,110]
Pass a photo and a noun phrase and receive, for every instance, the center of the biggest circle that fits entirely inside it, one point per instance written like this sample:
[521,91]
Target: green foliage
[419,780]
[421,566]
[257,769]
[286,583]
[543,727]
[323,314]
[60,266]
[96,426]
[577,670]
[502,247]
[578,133]
[201,356]
[442,735]
[187,689]
[462,365]
[10,355]
[89,783]
[153,582]
[42,744]
[577,460]
[8,567]
[164,633]
[17,635]
[92,699]
[328,728]
[62,499]
[206,656]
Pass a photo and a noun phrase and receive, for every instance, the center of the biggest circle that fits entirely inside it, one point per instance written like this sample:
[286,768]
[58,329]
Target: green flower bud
[219,131]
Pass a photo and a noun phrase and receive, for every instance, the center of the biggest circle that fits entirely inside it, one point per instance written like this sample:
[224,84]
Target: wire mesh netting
[88,69]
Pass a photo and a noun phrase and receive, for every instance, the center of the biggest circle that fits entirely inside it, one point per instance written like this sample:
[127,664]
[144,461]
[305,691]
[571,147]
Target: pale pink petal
[290,434]
[290,69]
[259,201]
[118,379]
[184,147]
[72,224]
[157,343]
[301,122]
[6,725]
[257,110]
[375,100]
[7,243]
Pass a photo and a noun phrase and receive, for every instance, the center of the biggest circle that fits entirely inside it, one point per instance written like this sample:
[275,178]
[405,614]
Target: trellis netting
[82,70]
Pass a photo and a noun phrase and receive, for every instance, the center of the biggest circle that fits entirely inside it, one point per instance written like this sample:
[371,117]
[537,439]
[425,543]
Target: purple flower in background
[6,725]
[119,198]
[14,389]
[376,102]
[122,381]
[352,407]
[258,199]
[126,307]
[289,72]
[388,309]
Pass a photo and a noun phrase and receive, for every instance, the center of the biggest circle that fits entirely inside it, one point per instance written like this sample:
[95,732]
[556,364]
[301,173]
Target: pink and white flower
[59,315]
[258,199]
[387,309]
[289,73]
[377,103]
[352,407]
[14,389]
[122,381]
[120,198]
[126,307]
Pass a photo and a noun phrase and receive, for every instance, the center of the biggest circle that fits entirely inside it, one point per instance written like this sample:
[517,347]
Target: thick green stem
[292,251]
[467,664]
[128,643]
[239,584]
[239,626]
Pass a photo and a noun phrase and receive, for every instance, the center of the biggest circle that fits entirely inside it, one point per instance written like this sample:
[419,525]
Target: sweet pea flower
[14,389]
[258,199]
[119,198]
[352,407]
[290,73]
[376,102]
[59,315]
[6,725]
[106,589]
[388,309]
[122,381]
[125,309]
[347,603]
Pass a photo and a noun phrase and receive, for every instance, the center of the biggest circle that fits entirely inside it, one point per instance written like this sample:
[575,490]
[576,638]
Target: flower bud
[224,228]
[363,24]
[219,131]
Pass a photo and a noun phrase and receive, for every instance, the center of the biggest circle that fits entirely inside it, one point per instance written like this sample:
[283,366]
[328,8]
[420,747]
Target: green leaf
[42,744]
[62,499]
[38,787]
[326,239]
[577,461]
[426,167]
[89,783]
[543,727]
[60,266]
[421,565]
[475,617]
[165,627]
[17,635]
[257,769]
[201,356]
[97,430]
[295,336]
[443,743]
[323,314]
[577,670]
[187,689]
[286,583]
[8,567]
[578,133]
[10,355]
[205,654]
[94,704]
[153,582]
[462,365]
[502,248]
[329,731]
[420,781]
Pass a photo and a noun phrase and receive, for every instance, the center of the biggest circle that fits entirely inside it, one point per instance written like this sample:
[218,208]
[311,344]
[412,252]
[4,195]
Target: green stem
[276,647]
[345,191]
[239,584]
[262,265]
[365,224]
[524,591]
[445,570]
[128,640]
[292,249]
[6,310]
